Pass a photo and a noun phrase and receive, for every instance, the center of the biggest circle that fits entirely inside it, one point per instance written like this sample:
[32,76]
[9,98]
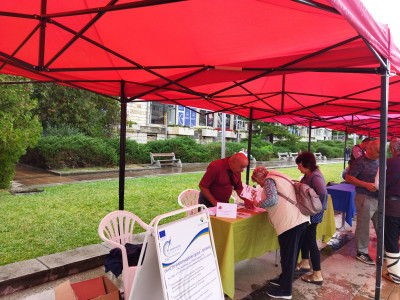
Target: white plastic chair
[189,198]
[116,229]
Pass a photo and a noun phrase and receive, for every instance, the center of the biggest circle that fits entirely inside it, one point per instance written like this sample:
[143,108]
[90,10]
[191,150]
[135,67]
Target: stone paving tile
[369,288]
[360,297]
[395,295]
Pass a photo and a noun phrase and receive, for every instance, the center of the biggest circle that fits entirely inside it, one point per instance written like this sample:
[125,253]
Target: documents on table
[212,210]
[226,210]
[243,214]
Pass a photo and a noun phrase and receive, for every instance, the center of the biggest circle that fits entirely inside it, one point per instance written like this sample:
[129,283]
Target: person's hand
[248,204]
[370,186]
[254,198]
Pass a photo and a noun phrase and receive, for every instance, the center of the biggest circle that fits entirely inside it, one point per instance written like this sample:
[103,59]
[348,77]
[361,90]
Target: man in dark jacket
[392,213]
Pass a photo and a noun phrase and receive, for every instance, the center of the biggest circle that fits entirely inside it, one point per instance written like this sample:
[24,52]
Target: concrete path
[27,176]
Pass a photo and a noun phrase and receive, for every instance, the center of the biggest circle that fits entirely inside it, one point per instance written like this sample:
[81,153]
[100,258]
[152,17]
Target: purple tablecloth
[343,199]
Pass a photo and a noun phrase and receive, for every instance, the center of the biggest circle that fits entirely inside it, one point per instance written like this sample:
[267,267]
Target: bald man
[221,178]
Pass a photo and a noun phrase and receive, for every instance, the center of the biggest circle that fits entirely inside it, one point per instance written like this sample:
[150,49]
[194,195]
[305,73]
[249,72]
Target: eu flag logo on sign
[162,233]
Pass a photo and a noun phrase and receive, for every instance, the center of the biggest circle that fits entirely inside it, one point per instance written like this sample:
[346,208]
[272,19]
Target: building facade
[150,121]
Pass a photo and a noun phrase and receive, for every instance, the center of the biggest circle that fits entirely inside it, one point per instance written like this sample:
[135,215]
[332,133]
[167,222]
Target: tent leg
[122,148]
[382,178]
[249,146]
[345,144]
[309,138]
[223,135]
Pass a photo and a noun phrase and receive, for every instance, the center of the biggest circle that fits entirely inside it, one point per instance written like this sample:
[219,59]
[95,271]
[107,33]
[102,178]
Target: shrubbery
[78,150]
[74,151]
[19,128]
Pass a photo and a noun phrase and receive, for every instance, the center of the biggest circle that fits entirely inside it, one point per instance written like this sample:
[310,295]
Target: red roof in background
[268,56]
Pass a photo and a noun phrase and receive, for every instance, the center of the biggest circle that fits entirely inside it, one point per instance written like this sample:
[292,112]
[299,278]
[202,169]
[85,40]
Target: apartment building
[149,121]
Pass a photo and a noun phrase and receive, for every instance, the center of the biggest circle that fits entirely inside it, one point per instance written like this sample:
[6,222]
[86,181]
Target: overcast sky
[387,12]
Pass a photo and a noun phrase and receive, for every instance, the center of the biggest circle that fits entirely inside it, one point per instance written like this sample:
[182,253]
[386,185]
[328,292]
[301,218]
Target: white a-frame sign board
[180,262]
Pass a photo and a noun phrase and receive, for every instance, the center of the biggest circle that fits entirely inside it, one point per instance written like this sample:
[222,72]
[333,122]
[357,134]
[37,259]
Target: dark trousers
[392,233]
[289,243]
[309,247]
[203,200]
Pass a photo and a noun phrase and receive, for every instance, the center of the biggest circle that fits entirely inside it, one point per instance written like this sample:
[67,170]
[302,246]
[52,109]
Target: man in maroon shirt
[221,178]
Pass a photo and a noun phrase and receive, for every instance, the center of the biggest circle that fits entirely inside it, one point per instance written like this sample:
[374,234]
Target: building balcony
[180,131]
[209,132]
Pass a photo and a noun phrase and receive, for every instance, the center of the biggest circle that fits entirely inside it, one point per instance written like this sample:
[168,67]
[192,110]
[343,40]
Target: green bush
[279,149]
[262,154]
[134,154]
[60,130]
[75,151]
[325,150]
[330,149]
[19,128]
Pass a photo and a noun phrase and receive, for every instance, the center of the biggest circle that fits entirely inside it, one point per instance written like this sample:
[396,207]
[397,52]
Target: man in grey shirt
[362,174]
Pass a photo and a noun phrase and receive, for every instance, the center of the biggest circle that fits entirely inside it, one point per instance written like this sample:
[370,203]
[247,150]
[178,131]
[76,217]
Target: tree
[19,128]
[62,106]
[267,131]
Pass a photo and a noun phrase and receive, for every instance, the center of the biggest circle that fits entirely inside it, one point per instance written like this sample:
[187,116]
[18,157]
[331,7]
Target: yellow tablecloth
[245,238]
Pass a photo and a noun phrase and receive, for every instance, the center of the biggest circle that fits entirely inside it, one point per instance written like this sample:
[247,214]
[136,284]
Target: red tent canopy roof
[272,58]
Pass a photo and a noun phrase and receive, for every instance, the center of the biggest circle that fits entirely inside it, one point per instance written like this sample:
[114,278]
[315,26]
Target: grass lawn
[67,216]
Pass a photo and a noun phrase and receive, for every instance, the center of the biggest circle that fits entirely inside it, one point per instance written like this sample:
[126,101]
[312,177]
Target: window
[206,120]
[171,114]
[186,116]
[228,121]
[239,123]
[158,111]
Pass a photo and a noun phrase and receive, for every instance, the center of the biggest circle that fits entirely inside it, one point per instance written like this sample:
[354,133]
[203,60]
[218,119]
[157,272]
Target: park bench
[293,155]
[171,161]
[283,155]
[319,155]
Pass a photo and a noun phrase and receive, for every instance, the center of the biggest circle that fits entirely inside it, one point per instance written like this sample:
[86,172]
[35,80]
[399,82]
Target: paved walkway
[344,276]
[27,176]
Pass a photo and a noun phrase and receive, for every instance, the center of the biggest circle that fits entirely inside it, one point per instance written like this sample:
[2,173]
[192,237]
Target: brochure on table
[186,259]
[226,210]
[248,192]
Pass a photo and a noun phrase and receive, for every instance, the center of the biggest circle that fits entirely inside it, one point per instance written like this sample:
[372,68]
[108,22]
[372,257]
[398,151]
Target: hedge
[80,151]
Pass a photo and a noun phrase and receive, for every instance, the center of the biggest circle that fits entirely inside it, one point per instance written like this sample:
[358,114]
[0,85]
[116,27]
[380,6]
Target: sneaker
[275,281]
[365,258]
[278,293]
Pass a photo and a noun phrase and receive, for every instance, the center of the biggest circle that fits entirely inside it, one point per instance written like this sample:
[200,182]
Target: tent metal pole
[122,147]
[382,178]
[42,35]
[309,138]
[345,144]
[223,133]
[249,146]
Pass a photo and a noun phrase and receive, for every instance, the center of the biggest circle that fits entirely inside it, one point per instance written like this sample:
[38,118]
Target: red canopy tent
[290,61]
[306,60]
